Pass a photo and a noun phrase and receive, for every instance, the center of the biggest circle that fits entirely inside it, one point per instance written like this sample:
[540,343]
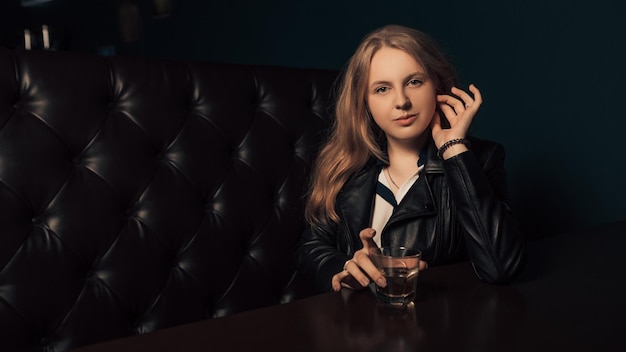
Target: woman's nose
[402,101]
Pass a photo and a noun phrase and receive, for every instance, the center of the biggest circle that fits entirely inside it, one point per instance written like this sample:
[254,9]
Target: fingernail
[365,282]
[381,282]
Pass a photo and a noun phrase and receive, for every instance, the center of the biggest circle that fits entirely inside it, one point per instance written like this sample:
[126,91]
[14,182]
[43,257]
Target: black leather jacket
[456,210]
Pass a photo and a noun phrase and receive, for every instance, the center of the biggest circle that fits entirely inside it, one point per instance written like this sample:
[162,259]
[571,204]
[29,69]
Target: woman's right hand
[359,271]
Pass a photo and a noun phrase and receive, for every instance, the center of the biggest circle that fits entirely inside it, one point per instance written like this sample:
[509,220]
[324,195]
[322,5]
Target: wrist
[453,151]
[453,147]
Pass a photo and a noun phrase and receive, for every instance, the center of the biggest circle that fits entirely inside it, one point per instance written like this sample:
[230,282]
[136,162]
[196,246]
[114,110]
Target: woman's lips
[405,120]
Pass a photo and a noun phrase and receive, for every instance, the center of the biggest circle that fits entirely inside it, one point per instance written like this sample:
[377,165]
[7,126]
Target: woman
[400,169]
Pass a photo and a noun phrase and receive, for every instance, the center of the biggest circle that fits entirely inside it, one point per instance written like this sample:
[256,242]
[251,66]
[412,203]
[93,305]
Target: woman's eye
[380,90]
[415,82]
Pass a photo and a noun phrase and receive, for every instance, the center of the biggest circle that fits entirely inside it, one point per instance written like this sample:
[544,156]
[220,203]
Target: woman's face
[400,96]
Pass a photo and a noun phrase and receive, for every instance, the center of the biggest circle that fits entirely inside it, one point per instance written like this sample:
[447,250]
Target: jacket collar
[355,201]
[433,164]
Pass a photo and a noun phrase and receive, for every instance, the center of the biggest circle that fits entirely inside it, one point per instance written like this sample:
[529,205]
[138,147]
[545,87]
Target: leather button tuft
[89,273]
[36,220]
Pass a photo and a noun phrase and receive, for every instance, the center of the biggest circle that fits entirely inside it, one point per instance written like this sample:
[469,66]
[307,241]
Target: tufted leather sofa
[138,194]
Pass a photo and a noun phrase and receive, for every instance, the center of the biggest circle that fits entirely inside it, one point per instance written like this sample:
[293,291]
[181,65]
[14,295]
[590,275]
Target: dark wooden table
[570,298]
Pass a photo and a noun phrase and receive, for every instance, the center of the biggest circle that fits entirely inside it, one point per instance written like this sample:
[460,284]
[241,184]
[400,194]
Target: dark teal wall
[551,73]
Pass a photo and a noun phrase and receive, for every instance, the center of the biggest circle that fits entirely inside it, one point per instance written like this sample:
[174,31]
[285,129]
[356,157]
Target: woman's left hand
[460,111]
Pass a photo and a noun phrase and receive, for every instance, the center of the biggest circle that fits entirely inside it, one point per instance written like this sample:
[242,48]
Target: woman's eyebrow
[407,77]
[375,83]
[416,74]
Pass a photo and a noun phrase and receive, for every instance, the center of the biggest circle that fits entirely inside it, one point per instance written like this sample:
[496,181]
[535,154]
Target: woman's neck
[403,157]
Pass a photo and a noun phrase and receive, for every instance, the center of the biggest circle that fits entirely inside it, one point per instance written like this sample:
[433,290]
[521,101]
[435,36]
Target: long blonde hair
[355,138]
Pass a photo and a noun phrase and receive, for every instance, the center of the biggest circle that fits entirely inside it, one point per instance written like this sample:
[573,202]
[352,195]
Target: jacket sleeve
[318,257]
[493,241]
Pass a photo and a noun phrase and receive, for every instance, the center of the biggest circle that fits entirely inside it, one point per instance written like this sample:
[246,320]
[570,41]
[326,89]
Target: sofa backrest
[137,194]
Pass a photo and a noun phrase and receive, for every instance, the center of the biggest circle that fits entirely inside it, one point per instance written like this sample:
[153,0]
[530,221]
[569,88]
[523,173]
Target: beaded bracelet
[450,143]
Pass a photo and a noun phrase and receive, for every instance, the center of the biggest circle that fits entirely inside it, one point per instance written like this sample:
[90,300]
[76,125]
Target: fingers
[459,109]
[360,270]
[355,268]
[363,260]
[478,98]
[451,105]
[345,279]
[367,266]
[435,124]
[469,102]
[461,102]
[367,238]
[338,278]
[447,109]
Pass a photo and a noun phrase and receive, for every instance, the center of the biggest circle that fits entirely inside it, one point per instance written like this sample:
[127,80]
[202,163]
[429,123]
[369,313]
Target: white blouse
[382,208]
